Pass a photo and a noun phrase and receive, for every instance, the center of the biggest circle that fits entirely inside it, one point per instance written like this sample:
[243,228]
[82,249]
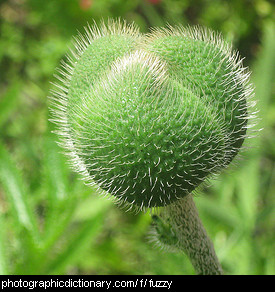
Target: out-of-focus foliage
[51,222]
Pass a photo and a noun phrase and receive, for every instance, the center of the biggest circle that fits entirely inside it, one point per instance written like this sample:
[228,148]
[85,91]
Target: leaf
[60,202]
[3,263]
[8,101]
[16,194]
[218,212]
[73,249]
[264,71]
[55,172]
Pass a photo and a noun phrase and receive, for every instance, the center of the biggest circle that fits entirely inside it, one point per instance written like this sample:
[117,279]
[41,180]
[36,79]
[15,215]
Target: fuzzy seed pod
[148,118]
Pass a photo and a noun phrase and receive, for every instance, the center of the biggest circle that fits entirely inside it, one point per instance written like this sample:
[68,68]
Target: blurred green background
[51,223]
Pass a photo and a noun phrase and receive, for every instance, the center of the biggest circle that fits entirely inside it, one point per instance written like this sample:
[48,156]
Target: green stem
[192,237]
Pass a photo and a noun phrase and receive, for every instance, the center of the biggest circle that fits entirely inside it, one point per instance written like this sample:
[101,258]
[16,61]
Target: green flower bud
[148,118]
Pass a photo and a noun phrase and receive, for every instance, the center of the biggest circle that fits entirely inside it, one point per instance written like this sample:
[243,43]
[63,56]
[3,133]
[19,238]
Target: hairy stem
[192,237]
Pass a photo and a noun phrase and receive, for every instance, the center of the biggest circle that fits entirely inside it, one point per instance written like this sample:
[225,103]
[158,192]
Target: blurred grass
[53,223]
